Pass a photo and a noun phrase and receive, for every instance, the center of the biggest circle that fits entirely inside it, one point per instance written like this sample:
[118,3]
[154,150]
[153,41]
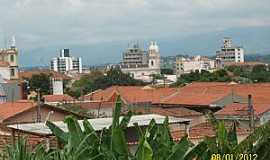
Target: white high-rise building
[229,53]
[66,63]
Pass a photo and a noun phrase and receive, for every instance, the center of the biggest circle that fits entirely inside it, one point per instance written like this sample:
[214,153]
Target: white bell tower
[154,56]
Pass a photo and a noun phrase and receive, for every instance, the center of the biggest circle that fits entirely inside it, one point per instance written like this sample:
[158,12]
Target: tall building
[65,63]
[141,64]
[135,56]
[187,65]
[229,53]
[9,62]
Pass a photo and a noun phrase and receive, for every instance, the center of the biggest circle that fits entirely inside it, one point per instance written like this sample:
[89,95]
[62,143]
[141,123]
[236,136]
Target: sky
[99,30]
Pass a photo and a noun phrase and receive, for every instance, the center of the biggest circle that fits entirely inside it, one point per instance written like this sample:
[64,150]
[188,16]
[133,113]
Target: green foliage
[96,80]
[85,84]
[166,71]
[203,76]
[40,81]
[241,74]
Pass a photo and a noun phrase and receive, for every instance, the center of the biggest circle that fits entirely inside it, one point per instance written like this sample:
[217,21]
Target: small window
[152,63]
[12,58]
[12,72]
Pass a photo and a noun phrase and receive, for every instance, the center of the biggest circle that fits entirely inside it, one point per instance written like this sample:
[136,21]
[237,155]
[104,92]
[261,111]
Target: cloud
[39,23]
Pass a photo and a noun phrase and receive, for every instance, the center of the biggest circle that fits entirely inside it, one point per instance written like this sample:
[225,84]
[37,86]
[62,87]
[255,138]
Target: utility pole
[251,113]
[38,106]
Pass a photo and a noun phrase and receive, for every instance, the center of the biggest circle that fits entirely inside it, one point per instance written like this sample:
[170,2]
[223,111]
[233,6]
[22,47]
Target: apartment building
[187,65]
[65,63]
[229,53]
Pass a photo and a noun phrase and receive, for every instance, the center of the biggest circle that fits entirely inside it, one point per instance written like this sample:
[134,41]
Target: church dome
[153,46]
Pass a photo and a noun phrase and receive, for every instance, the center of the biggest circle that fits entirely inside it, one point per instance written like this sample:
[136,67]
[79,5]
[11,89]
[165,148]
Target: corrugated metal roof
[98,123]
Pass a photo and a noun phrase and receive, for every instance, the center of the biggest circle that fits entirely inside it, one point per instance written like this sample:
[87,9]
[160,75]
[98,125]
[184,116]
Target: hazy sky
[42,23]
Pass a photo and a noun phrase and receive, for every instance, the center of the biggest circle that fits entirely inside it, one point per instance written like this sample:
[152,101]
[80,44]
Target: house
[41,130]
[203,96]
[239,112]
[132,96]
[198,132]
[98,109]
[57,99]
[25,111]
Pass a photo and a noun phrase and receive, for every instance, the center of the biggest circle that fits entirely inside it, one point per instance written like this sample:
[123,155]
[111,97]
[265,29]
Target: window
[12,72]
[12,58]
[152,63]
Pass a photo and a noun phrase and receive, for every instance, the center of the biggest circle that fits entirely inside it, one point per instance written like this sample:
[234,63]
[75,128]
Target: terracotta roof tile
[204,93]
[131,94]
[10,109]
[57,98]
[240,109]
[203,130]
[175,112]
[96,105]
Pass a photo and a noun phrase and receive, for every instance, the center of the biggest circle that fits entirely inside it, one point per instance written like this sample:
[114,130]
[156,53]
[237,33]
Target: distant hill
[258,57]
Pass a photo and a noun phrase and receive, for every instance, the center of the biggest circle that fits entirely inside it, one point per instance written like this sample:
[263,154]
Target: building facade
[65,63]
[141,64]
[9,62]
[187,65]
[229,53]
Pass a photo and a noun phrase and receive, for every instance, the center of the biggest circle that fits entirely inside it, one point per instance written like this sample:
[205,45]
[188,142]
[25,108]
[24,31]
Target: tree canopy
[97,80]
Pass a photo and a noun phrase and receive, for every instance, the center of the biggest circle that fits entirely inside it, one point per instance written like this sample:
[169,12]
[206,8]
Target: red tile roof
[240,109]
[203,130]
[10,109]
[175,112]
[57,98]
[205,93]
[96,105]
[131,94]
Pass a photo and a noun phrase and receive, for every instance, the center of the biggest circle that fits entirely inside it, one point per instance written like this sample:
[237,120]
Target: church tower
[154,56]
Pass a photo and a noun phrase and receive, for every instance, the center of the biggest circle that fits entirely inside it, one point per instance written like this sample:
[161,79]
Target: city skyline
[42,28]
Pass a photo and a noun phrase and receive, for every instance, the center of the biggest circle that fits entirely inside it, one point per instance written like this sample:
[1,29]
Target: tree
[85,84]
[40,82]
[116,77]
[166,71]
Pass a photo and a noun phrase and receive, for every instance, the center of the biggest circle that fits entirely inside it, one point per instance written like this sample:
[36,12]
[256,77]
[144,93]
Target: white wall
[5,73]
[57,87]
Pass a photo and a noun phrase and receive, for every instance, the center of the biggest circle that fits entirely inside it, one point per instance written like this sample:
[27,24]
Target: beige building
[9,57]
[187,65]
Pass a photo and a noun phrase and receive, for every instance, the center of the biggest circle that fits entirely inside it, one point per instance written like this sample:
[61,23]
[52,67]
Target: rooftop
[57,98]
[131,94]
[10,109]
[207,93]
[241,109]
[98,124]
